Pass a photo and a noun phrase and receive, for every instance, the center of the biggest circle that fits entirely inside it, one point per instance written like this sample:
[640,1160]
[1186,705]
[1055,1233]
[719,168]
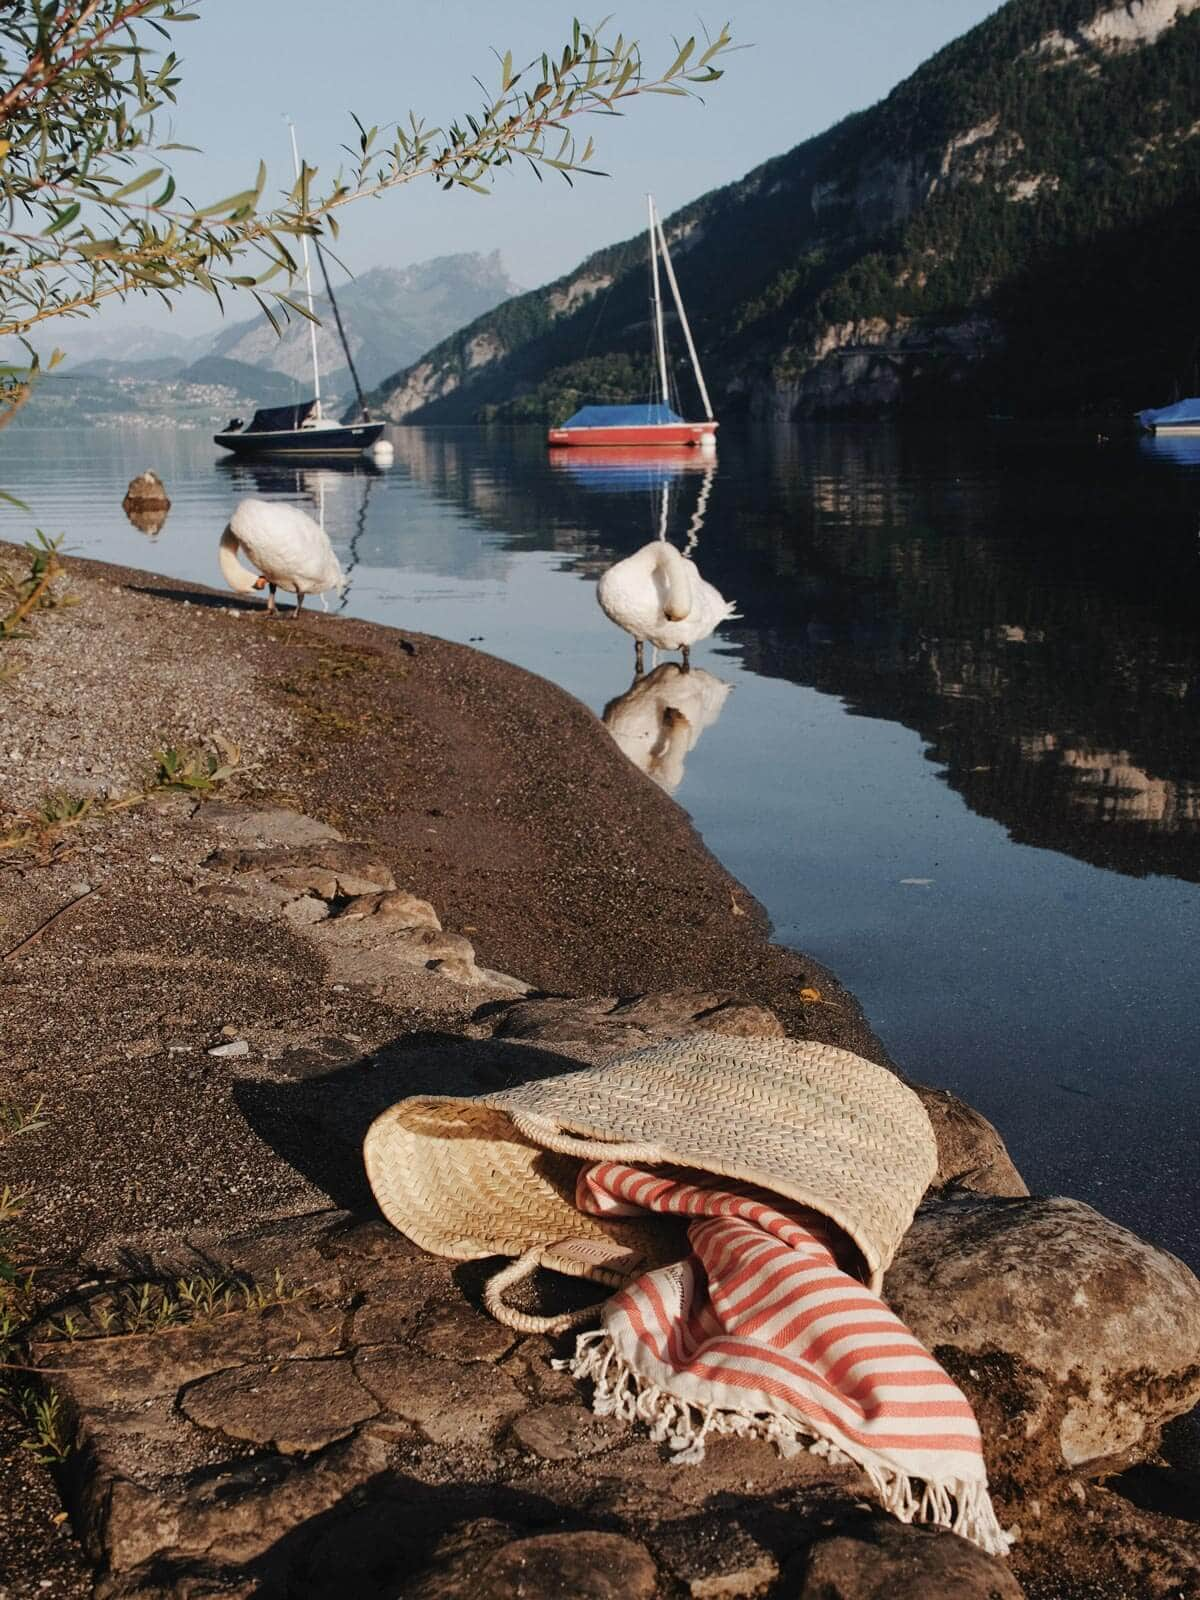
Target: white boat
[302,429]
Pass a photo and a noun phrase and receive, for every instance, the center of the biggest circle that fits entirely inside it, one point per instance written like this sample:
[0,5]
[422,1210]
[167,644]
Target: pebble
[239,1047]
[158,860]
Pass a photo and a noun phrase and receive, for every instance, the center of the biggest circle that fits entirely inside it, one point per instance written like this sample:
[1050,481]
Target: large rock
[886,1560]
[612,1023]
[1074,1339]
[971,1154]
[551,1566]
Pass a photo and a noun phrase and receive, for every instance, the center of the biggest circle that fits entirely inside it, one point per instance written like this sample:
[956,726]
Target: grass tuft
[177,769]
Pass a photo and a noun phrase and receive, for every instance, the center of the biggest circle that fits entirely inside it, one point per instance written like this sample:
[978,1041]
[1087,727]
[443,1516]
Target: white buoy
[381,451]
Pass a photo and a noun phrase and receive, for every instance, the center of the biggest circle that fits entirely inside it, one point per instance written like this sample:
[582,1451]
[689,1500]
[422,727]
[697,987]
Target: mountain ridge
[979,240]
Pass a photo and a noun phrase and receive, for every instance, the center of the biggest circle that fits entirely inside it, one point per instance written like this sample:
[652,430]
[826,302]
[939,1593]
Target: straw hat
[496,1175]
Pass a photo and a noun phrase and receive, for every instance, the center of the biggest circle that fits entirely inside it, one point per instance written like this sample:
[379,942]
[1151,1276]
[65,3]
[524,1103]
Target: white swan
[659,595]
[659,718]
[285,544]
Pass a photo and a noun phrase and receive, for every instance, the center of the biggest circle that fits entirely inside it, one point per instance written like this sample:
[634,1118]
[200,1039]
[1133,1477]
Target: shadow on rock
[317,1122]
[375,1543]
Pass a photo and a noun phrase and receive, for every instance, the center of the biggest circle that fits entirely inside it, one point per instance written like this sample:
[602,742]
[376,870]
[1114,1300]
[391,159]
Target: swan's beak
[260,583]
[674,616]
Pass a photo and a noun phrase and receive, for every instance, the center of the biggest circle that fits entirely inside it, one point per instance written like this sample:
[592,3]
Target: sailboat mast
[655,224]
[658,316]
[312,327]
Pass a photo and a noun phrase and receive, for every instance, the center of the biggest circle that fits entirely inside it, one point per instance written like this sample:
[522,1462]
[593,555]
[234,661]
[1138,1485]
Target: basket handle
[521,1321]
[541,1131]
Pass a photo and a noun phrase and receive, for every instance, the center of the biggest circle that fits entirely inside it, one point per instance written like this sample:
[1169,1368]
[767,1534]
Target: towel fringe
[963,1507]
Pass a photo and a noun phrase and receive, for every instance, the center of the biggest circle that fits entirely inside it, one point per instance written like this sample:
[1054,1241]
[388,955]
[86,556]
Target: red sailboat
[652,422]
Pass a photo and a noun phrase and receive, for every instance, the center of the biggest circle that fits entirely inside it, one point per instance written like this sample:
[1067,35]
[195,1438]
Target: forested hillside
[1014,230]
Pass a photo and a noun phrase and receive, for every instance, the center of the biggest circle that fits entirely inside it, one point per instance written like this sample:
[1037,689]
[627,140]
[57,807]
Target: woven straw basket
[496,1175]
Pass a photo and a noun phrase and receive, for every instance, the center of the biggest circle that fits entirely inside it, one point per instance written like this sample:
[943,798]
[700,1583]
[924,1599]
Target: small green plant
[14,1120]
[149,1307]
[44,1415]
[33,592]
[190,770]
[177,769]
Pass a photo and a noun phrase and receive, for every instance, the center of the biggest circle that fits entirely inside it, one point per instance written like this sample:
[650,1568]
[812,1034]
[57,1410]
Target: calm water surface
[960,758]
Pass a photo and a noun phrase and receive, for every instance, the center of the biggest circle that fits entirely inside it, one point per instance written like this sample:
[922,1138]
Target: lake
[959,757]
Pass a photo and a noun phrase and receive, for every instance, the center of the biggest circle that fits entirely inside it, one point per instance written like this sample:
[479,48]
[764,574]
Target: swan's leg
[686,653]
[270,599]
[639,658]
[299,603]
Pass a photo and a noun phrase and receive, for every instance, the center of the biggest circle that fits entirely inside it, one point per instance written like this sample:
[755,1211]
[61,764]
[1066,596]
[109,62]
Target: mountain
[265,388]
[390,314]
[1013,229]
[120,350]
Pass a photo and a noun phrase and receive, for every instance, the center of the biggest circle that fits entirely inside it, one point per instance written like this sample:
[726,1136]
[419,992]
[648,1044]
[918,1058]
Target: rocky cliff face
[390,315]
[977,241]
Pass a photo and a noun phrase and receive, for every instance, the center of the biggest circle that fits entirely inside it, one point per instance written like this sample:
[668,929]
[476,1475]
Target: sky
[249,64]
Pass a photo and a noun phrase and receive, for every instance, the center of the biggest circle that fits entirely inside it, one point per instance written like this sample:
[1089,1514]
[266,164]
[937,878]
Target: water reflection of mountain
[1026,602]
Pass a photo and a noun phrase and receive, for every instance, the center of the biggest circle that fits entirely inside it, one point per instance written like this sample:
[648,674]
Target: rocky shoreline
[427,871]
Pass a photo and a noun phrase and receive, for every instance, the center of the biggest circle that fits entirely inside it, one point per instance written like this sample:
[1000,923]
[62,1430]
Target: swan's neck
[677,599]
[232,570]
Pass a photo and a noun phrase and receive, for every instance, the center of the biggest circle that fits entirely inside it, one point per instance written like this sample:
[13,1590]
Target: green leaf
[142,181]
[161,199]
[13,501]
[233,202]
[681,59]
[64,217]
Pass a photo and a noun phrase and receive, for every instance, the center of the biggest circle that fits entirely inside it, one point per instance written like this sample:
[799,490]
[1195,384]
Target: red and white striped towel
[759,1331]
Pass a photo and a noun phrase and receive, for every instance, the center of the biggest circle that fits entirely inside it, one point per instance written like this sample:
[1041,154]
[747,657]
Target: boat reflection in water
[658,721]
[630,471]
[1180,449]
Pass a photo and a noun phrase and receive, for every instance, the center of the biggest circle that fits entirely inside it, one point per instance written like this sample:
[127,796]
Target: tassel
[964,1508]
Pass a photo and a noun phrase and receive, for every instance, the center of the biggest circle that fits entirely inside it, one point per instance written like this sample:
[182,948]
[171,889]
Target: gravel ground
[100,688]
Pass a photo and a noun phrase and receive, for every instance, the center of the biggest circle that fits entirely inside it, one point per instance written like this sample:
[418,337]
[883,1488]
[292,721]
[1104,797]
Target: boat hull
[652,434]
[351,440]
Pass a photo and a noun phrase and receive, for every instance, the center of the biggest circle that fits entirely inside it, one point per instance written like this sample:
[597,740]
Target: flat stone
[236,1047]
[309,880]
[456,1403]
[567,1432]
[585,1566]
[306,911]
[401,909]
[699,1011]
[971,1154]
[614,1024]
[270,826]
[1074,1339]
[294,1406]
[359,883]
[882,1559]
[99,1374]
[719,1561]
[458,1332]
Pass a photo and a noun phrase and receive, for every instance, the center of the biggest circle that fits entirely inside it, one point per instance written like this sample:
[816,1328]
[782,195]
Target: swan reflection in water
[660,717]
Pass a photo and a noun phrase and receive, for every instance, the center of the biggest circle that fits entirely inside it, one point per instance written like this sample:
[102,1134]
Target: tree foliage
[89,208]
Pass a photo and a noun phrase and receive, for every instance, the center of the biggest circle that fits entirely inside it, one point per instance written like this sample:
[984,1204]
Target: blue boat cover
[640,416]
[1180,414]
